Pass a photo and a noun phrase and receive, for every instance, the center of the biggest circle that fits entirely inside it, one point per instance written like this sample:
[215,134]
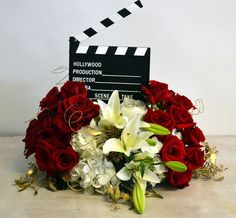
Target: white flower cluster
[94,171]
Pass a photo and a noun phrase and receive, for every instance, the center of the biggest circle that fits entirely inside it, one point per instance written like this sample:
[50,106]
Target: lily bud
[139,195]
[151,142]
[157,129]
[176,166]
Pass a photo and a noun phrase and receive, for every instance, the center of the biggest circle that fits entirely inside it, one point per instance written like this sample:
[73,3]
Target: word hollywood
[87,64]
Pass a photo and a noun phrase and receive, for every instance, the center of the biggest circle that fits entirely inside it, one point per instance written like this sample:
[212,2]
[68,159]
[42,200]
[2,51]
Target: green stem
[158,163]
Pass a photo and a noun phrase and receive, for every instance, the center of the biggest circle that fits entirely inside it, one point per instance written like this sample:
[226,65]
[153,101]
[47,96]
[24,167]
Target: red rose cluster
[48,136]
[172,111]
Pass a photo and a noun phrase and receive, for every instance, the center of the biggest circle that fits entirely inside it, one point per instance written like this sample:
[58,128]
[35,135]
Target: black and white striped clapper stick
[106,68]
[107,22]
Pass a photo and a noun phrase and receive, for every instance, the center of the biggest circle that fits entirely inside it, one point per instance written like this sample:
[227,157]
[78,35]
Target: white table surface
[201,199]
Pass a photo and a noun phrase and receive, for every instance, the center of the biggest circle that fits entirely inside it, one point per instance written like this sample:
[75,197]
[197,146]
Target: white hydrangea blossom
[83,142]
[93,172]
[131,108]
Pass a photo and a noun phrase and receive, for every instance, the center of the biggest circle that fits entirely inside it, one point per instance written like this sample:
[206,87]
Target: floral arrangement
[122,150]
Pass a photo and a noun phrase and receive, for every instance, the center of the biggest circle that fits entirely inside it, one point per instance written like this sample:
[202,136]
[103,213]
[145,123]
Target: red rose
[65,159]
[55,137]
[156,92]
[51,100]
[35,131]
[61,140]
[43,157]
[171,93]
[42,129]
[45,116]
[179,180]
[193,136]
[182,101]
[159,117]
[181,116]
[30,138]
[149,96]
[173,149]
[74,113]
[70,89]
[195,157]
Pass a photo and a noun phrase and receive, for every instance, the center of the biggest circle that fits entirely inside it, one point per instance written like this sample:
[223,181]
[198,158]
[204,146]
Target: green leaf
[52,185]
[176,166]
[154,193]
[158,195]
[218,179]
[129,158]
[142,168]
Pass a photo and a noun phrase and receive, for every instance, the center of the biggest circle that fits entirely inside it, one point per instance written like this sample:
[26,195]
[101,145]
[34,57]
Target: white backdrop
[193,49]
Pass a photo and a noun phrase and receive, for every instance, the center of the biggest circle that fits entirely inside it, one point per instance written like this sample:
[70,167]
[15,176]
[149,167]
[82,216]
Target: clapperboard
[106,68]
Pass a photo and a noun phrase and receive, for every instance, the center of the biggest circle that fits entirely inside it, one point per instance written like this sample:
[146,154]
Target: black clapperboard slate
[106,68]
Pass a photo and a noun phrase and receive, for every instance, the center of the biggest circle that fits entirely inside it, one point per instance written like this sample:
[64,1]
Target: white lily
[111,111]
[154,149]
[131,139]
[126,173]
